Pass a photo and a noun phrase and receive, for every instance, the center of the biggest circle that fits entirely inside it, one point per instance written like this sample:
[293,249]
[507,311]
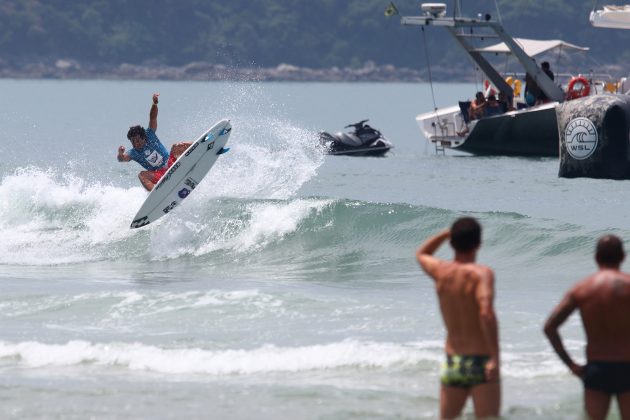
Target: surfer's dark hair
[465,234]
[609,251]
[136,130]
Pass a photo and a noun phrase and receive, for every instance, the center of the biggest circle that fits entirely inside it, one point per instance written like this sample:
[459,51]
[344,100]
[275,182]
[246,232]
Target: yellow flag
[391,9]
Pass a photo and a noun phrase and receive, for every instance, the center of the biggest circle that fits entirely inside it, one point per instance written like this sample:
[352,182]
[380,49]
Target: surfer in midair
[149,151]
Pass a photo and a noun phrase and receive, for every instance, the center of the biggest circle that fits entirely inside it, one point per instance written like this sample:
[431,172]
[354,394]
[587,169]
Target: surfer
[465,292]
[603,300]
[148,151]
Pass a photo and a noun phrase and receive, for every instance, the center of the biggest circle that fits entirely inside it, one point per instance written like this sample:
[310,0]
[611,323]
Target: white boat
[530,131]
[616,17]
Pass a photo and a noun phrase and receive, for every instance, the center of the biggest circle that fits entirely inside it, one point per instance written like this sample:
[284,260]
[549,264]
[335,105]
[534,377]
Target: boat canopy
[617,17]
[532,47]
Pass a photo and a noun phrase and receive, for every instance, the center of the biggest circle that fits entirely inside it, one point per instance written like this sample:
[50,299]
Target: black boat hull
[530,133]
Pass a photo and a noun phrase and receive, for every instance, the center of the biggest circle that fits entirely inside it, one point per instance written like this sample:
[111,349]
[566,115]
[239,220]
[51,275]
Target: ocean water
[288,291]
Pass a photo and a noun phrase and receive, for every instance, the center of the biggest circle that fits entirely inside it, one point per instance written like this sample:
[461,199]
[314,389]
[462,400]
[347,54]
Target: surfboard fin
[223,150]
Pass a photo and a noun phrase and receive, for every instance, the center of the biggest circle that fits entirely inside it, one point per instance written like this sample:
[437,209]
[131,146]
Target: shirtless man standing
[603,299]
[465,290]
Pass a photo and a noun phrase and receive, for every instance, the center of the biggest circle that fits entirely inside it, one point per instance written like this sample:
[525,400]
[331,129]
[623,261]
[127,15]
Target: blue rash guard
[153,155]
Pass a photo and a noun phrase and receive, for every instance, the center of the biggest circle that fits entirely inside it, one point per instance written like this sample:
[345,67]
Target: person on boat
[477,107]
[148,151]
[506,102]
[532,90]
[465,292]
[546,68]
[493,107]
[603,300]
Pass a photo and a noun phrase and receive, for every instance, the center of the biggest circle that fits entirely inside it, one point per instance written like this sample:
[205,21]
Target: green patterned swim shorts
[464,371]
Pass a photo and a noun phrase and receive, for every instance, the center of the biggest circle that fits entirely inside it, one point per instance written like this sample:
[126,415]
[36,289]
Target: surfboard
[184,175]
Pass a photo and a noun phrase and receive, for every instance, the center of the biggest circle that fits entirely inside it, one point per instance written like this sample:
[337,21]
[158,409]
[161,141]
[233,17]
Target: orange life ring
[582,89]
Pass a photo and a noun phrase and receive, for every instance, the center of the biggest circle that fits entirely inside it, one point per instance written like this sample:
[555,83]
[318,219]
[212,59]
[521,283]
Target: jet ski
[362,141]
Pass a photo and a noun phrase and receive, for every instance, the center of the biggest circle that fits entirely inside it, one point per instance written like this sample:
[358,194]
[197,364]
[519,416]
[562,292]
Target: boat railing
[599,82]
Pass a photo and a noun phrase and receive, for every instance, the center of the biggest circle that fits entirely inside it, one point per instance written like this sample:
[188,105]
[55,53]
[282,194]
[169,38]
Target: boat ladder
[441,138]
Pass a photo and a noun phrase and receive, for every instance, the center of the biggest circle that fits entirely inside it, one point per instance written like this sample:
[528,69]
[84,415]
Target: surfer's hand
[155,98]
[121,150]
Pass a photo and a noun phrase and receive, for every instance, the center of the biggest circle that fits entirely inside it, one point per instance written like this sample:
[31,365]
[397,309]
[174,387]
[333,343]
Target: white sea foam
[265,359]
[134,305]
[272,221]
[347,354]
[269,158]
[50,219]
[252,226]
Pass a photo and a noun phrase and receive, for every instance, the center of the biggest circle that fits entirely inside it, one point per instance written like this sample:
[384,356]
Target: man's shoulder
[478,271]
[604,278]
[485,274]
[584,283]
[476,267]
[599,284]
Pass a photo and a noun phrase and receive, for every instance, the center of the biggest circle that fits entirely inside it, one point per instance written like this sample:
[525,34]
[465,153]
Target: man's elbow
[488,316]
[549,329]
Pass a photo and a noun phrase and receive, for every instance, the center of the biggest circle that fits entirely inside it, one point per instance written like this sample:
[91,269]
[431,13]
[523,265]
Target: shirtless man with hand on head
[465,291]
[603,300]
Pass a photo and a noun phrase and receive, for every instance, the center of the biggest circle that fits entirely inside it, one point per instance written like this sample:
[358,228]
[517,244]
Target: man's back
[461,287]
[604,303]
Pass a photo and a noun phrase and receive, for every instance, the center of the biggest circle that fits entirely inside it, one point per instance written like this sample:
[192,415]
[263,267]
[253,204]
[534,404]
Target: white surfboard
[184,175]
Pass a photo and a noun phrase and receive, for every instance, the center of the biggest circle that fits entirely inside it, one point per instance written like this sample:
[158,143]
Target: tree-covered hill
[308,33]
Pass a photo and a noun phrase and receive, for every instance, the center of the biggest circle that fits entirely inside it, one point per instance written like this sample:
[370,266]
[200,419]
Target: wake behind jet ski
[363,141]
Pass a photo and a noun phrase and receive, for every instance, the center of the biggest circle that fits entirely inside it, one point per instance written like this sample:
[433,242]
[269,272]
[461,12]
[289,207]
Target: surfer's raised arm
[154,113]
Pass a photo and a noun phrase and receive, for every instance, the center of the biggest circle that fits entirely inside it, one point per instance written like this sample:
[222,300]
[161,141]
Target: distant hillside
[265,33]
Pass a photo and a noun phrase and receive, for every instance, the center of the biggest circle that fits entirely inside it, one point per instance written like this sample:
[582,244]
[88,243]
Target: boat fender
[611,87]
[488,89]
[515,84]
[593,134]
[582,89]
